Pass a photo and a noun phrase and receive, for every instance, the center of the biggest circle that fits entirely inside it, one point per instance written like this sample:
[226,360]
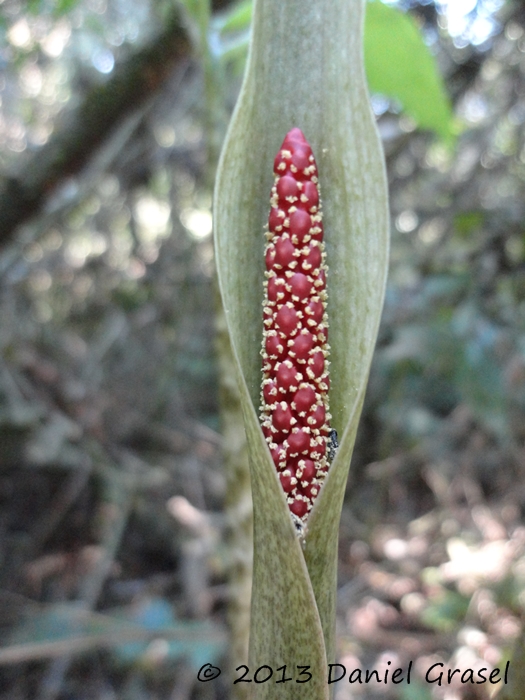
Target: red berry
[287,187]
[275,220]
[312,259]
[302,345]
[295,379]
[270,256]
[276,286]
[308,470]
[300,158]
[299,508]
[316,232]
[309,491]
[320,280]
[295,139]
[318,447]
[300,224]
[287,320]
[282,417]
[311,194]
[304,398]
[286,482]
[322,333]
[317,417]
[315,310]
[278,454]
[280,164]
[286,376]
[300,285]
[270,391]
[284,252]
[273,346]
[316,363]
[298,441]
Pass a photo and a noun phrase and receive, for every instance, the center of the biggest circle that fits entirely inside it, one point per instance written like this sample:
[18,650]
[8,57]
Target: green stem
[305,69]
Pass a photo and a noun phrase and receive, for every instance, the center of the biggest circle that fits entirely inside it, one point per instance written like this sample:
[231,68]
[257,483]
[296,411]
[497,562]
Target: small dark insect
[332,445]
[300,526]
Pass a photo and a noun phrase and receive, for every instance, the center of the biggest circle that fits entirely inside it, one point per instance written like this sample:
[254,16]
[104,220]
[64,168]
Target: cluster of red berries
[294,411]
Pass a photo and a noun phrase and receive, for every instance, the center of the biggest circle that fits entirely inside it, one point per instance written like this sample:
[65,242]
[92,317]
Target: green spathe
[305,69]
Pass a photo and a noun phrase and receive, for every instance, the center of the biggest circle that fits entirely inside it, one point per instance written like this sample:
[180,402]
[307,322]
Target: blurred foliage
[108,403]
[58,8]
[63,627]
[446,611]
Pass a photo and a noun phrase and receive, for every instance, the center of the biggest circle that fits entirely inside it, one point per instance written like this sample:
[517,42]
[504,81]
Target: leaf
[229,35]
[234,54]
[467,223]
[305,69]
[446,611]
[199,11]
[34,6]
[235,19]
[399,65]
[62,7]
[416,691]
[59,7]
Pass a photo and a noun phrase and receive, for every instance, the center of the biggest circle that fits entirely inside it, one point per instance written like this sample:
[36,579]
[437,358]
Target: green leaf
[236,19]
[416,691]
[199,11]
[467,223]
[399,65]
[34,6]
[234,54]
[62,7]
[57,9]
[446,611]
[305,69]
[230,34]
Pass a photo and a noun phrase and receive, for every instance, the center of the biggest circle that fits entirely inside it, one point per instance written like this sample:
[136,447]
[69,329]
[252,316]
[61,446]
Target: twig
[115,515]
[65,648]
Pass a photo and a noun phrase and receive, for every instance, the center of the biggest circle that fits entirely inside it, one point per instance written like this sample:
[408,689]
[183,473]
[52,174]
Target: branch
[86,127]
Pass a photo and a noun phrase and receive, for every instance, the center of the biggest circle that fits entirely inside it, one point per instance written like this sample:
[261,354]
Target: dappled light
[115,550]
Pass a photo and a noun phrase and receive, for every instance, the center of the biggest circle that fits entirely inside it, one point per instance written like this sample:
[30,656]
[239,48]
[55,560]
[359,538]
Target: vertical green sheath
[305,69]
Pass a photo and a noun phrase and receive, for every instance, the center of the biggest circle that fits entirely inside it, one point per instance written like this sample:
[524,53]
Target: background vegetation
[113,562]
